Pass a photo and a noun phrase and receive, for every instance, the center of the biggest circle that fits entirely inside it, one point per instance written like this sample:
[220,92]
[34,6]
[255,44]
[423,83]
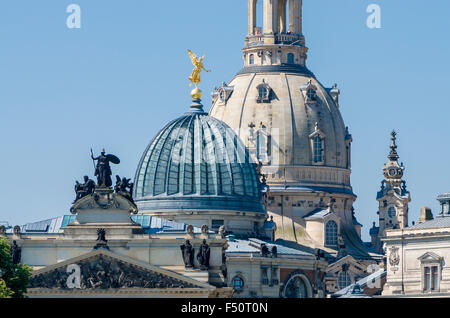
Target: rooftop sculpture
[103,169]
[104,182]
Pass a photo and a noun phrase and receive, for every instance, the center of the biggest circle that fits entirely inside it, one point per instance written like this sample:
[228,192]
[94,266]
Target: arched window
[318,149]
[223,96]
[251,59]
[391,212]
[311,94]
[309,91]
[344,280]
[290,58]
[263,92]
[238,284]
[296,288]
[331,233]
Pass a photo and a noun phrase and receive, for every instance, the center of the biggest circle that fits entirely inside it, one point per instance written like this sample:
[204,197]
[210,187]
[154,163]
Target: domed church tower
[292,125]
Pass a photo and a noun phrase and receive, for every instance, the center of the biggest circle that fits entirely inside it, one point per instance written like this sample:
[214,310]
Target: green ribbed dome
[197,162]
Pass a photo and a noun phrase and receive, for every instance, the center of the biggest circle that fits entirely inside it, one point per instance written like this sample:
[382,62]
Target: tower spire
[393,155]
[280,39]
[393,171]
[393,197]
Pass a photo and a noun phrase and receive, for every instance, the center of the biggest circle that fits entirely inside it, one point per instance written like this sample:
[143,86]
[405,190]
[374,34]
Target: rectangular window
[427,278]
[431,278]
[318,150]
[434,278]
[261,145]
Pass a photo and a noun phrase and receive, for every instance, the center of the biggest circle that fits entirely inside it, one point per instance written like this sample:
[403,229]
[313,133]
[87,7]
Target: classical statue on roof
[199,67]
[84,189]
[187,251]
[16,253]
[204,255]
[124,187]
[103,168]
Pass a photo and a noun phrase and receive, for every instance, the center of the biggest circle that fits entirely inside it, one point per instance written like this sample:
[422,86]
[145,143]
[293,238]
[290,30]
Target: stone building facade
[124,247]
[292,125]
[417,257]
[263,180]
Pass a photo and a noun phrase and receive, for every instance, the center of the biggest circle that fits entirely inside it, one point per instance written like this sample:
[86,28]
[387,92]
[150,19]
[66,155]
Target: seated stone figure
[84,189]
[124,187]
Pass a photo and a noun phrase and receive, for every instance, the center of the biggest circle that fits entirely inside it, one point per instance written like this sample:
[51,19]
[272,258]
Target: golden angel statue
[198,63]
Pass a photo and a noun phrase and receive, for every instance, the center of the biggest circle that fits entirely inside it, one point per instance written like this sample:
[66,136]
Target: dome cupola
[197,171]
[290,123]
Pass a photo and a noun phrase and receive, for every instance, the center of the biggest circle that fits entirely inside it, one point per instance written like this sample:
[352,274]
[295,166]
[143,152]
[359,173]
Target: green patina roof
[197,162]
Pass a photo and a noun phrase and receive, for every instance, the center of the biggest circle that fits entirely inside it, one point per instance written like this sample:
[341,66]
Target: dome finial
[195,78]
[196,93]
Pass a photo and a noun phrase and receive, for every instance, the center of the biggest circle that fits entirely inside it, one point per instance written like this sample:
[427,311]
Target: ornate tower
[280,41]
[393,198]
[292,125]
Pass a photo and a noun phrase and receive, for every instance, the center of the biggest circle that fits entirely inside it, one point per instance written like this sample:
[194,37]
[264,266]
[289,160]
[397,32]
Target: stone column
[270,20]
[291,16]
[268,16]
[275,16]
[295,16]
[251,16]
[282,16]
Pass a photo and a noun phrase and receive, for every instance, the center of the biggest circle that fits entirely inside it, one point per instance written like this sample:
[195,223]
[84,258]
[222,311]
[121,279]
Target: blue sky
[116,81]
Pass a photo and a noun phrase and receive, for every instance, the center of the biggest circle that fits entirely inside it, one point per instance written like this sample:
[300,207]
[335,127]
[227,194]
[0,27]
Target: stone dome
[197,163]
[288,106]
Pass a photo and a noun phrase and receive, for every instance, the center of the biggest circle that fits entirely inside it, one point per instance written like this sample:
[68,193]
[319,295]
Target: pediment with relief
[104,270]
[430,257]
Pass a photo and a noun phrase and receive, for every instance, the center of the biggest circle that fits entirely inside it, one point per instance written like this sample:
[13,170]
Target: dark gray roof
[252,246]
[343,190]
[355,247]
[150,224]
[438,222]
[154,225]
[49,226]
[284,68]
[317,214]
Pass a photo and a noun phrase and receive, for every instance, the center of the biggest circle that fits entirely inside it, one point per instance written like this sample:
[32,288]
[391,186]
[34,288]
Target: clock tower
[393,197]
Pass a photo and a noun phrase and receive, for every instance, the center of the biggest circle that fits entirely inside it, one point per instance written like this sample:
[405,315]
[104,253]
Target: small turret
[393,197]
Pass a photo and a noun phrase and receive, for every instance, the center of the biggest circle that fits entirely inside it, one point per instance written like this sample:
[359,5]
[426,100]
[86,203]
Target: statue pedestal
[103,209]
[103,190]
